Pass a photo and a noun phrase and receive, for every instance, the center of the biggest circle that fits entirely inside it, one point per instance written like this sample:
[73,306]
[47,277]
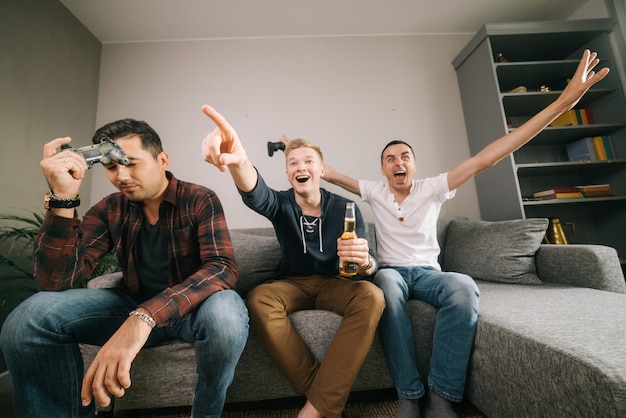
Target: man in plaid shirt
[172,243]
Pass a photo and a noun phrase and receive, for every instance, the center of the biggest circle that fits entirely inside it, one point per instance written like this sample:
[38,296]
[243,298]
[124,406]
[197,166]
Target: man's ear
[164,160]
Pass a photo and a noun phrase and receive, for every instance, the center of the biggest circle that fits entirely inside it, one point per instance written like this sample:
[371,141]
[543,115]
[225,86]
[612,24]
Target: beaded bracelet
[144,317]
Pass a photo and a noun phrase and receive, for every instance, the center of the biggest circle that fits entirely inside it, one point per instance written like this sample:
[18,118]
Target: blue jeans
[40,341]
[456,297]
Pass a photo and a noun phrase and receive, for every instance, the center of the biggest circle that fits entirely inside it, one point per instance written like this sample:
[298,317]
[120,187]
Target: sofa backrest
[258,254]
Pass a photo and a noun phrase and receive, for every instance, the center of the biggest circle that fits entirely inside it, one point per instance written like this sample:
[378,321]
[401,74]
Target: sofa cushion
[258,257]
[501,251]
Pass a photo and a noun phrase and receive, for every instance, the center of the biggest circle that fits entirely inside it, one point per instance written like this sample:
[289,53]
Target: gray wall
[350,95]
[49,69]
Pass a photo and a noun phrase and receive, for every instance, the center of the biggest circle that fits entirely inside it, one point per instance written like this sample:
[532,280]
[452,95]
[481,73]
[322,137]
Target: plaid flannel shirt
[201,256]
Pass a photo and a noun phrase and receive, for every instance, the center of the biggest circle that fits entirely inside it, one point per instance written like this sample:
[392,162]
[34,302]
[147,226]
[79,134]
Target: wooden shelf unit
[542,54]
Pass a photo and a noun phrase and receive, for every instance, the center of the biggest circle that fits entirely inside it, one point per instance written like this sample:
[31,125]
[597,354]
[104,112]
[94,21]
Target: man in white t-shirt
[406,213]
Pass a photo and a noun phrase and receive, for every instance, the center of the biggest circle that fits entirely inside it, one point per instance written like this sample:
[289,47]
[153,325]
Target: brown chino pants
[326,385]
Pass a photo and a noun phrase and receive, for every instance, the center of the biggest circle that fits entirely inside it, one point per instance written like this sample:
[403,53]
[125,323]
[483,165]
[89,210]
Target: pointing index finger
[217,118]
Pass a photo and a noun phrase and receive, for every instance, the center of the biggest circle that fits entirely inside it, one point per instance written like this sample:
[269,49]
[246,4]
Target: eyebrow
[401,155]
[304,157]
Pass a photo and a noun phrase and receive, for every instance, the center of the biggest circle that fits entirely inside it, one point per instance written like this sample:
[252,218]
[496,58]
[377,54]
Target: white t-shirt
[406,234]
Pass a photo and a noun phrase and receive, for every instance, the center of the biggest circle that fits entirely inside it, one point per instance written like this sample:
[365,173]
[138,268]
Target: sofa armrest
[106,281]
[593,266]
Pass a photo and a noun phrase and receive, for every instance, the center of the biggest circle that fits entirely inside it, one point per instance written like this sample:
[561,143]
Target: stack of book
[559,193]
[596,190]
[597,148]
[591,190]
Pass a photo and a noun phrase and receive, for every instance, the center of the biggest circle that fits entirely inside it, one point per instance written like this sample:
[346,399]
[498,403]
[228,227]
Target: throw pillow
[501,251]
[258,259]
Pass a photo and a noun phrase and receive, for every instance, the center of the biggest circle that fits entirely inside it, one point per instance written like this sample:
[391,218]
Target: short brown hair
[300,143]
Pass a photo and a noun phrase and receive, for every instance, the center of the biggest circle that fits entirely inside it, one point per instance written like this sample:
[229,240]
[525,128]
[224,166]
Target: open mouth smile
[400,175]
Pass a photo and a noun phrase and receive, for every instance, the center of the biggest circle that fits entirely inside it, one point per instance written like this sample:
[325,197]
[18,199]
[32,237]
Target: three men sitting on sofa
[42,324]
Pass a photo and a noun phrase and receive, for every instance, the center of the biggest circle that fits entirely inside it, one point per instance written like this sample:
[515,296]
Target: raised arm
[338,179]
[583,79]
[222,148]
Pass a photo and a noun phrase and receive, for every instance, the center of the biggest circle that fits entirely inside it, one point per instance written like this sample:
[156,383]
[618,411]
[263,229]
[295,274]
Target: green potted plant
[17,236]
[16,259]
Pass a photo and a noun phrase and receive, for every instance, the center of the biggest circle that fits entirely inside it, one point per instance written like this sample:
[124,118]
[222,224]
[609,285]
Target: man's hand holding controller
[105,152]
[65,167]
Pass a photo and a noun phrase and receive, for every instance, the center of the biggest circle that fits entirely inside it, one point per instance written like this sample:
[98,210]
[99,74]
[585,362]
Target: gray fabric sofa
[551,337]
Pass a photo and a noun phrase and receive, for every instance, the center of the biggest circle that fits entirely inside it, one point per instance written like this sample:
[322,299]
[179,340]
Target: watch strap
[51,201]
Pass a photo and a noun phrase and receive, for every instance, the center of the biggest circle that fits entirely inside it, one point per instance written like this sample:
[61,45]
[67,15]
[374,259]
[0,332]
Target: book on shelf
[598,143]
[573,195]
[574,117]
[567,118]
[559,193]
[582,149]
[596,190]
[608,147]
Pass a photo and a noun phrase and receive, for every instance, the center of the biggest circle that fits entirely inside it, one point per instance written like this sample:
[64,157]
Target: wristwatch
[51,201]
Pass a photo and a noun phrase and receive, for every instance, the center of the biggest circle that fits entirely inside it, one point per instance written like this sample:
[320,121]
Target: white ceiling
[114,21]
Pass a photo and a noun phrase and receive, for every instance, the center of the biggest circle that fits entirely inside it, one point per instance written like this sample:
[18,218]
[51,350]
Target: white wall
[350,95]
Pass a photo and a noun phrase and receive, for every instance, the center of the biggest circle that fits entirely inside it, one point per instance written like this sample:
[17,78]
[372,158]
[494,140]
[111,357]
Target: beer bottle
[348,268]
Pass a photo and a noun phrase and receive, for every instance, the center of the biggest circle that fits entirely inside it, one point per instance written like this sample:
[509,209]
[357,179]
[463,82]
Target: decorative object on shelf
[519,89]
[500,58]
[555,234]
[544,89]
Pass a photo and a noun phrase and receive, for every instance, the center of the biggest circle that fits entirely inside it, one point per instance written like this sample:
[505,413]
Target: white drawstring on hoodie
[304,222]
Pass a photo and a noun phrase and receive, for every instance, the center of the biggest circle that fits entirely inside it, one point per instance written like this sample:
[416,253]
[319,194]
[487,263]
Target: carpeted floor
[359,410]
[368,405]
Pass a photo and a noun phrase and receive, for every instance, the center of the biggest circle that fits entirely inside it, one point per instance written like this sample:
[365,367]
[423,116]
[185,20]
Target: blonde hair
[302,143]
